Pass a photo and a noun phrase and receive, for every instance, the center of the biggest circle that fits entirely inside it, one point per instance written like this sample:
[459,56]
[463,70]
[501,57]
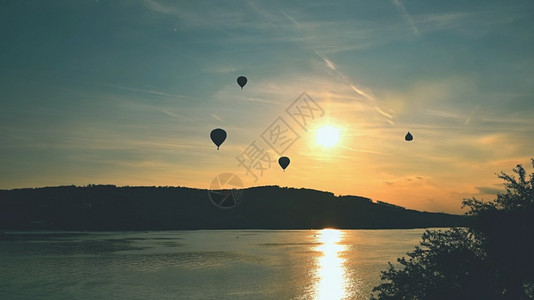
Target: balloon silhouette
[241,80]
[218,136]
[283,162]
[408,136]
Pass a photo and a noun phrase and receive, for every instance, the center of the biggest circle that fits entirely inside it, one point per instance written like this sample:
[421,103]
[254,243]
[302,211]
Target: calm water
[218,264]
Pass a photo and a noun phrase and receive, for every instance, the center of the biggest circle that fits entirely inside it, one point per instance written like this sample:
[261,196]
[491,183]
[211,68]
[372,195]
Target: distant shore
[110,208]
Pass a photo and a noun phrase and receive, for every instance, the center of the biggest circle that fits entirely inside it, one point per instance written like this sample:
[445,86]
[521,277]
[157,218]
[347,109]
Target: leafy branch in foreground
[448,265]
[491,259]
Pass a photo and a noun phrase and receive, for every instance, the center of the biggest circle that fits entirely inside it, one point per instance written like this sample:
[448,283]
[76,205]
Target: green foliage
[491,259]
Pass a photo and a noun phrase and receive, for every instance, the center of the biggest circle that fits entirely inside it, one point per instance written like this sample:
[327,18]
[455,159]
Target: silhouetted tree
[491,259]
[449,265]
[506,228]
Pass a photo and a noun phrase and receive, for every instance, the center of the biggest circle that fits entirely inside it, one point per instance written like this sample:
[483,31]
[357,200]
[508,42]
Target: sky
[127,93]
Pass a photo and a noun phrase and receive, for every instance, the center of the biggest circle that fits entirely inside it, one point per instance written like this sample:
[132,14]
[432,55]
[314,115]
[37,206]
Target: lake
[203,264]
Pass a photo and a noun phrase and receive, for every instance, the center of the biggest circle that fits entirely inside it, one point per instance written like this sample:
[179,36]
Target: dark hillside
[106,207]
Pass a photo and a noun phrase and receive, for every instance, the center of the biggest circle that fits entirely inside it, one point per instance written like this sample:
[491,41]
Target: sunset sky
[127,93]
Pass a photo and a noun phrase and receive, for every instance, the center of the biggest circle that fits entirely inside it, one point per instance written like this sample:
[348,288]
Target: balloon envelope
[408,136]
[283,162]
[241,80]
[218,136]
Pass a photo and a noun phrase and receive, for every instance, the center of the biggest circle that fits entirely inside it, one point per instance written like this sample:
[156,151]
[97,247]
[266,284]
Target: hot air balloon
[241,80]
[218,136]
[283,162]
[408,136]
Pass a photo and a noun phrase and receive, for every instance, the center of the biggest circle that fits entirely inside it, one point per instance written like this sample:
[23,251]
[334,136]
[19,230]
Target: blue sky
[126,93]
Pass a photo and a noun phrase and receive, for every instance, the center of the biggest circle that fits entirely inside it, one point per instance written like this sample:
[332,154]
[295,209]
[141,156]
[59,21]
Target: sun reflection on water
[331,278]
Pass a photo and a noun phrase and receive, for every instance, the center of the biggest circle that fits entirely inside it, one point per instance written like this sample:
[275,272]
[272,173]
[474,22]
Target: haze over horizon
[127,92]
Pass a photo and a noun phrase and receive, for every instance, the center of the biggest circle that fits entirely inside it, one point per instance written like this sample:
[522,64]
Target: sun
[327,136]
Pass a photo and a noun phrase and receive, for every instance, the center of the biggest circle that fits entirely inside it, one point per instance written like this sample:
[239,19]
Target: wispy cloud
[131,89]
[441,114]
[170,113]
[259,10]
[406,15]
[364,94]
[329,63]
[253,99]
[216,117]
[388,116]
[91,144]
[220,69]
[290,18]
[345,80]
[442,21]
[488,190]
[159,7]
[471,115]
[364,151]
[405,180]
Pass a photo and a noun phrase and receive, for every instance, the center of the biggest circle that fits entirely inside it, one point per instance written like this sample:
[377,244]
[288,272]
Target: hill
[107,207]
